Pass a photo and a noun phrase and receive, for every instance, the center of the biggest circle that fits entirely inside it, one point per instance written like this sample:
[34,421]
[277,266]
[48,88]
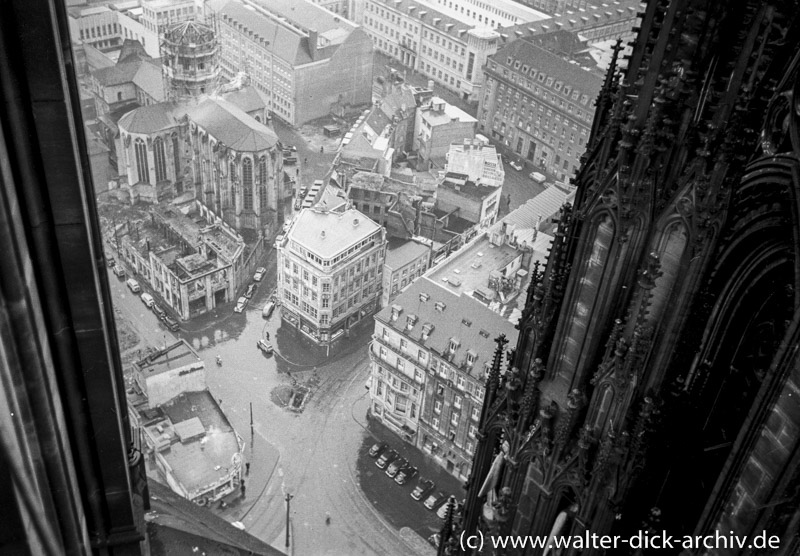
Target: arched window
[262,198]
[670,250]
[232,172]
[176,155]
[161,159]
[141,161]
[262,170]
[588,289]
[247,183]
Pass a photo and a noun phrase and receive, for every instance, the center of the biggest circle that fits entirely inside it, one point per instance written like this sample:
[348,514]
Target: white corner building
[330,265]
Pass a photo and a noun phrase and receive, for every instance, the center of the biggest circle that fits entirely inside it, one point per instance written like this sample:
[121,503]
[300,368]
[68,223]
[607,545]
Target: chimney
[312,43]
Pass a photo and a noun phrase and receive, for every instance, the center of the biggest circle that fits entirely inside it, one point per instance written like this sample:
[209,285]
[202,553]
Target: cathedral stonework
[655,384]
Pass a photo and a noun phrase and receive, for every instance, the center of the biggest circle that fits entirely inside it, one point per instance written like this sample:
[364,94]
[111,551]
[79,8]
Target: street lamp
[288,499]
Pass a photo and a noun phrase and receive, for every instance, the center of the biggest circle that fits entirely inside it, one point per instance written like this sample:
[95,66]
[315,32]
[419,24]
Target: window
[437,406]
[454,417]
[476,413]
[473,431]
[141,161]
[439,390]
[403,343]
[435,423]
[160,159]
[457,402]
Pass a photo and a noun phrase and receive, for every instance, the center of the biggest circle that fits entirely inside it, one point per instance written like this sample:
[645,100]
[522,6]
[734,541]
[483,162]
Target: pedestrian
[321,150]
[243,490]
[305,161]
[247,468]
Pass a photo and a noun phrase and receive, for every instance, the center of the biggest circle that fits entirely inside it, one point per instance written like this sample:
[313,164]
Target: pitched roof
[230,125]
[150,80]
[463,318]
[401,253]
[152,118]
[248,98]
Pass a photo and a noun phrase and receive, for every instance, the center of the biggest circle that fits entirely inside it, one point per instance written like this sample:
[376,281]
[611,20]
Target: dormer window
[487,368]
[439,306]
[471,357]
[426,330]
[396,310]
[411,320]
[453,345]
[466,322]
[423,297]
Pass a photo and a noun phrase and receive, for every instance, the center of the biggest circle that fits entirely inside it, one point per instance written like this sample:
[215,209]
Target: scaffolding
[190,55]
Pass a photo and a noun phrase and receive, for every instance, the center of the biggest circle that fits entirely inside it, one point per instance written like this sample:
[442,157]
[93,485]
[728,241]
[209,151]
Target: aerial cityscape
[429,277]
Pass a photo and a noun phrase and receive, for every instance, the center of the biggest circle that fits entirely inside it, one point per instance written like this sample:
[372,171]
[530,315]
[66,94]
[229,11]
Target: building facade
[539,105]
[307,60]
[406,260]
[438,124]
[654,382]
[427,370]
[330,265]
[449,42]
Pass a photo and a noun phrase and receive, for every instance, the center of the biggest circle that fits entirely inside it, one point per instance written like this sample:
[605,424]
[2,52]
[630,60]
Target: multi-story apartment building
[406,260]
[157,15]
[306,59]
[449,42]
[330,264]
[539,104]
[438,124]
[96,26]
[429,355]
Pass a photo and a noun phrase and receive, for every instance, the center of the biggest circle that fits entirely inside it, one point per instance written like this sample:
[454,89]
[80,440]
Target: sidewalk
[263,458]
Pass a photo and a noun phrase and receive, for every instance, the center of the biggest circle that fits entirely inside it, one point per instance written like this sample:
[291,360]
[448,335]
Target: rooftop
[468,268]
[204,455]
[231,125]
[176,356]
[452,317]
[465,187]
[326,234]
[447,114]
[400,252]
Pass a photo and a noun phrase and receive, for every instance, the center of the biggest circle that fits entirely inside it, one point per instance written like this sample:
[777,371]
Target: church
[655,384]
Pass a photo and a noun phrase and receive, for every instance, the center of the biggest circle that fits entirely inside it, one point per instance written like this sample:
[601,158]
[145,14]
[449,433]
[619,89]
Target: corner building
[330,266]
[655,382]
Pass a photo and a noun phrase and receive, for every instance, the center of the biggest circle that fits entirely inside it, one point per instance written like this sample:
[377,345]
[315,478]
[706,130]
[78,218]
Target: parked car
[515,165]
[405,474]
[289,158]
[396,466]
[148,300]
[423,488]
[537,177]
[241,303]
[159,311]
[259,275]
[434,500]
[265,346]
[266,312]
[119,271]
[303,191]
[443,510]
[298,203]
[377,448]
[250,290]
[386,458]
[133,285]
[111,261]
[171,323]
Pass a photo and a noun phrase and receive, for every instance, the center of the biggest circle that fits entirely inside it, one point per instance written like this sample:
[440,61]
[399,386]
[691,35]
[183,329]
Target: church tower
[656,379]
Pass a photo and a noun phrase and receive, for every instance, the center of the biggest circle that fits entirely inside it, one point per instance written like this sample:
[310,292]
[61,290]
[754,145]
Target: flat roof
[180,354]
[400,253]
[326,233]
[469,268]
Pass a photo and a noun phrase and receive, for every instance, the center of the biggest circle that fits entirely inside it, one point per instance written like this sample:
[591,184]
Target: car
[111,261]
[396,466]
[148,300]
[443,510]
[259,275]
[405,475]
[119,271]
[298,204]
[250,290]
[515,165]
[537,177]
[303,191]
[171,323]
[241,303]
[434,500]
[265,347]
[159,311]
[377,448]
[289,159]
[133,285]
[423,488]
[266,312]
[386,458]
